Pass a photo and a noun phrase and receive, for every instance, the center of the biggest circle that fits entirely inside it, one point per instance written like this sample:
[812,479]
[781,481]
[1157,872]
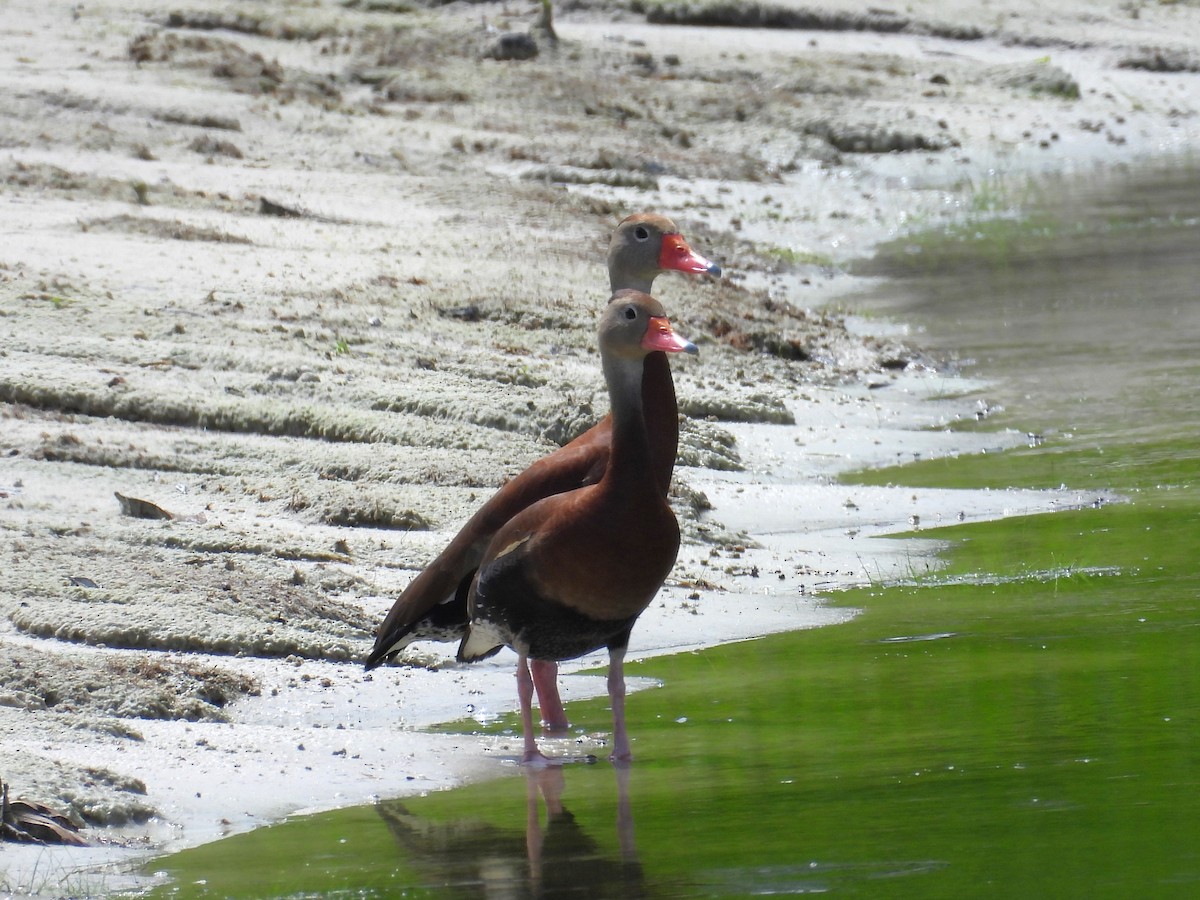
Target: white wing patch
[481,640]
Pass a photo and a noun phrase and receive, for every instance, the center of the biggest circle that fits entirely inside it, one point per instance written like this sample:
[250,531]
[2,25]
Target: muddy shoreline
[315,280]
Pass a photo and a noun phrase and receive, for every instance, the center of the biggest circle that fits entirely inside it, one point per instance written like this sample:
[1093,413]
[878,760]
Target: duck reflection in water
[557,858]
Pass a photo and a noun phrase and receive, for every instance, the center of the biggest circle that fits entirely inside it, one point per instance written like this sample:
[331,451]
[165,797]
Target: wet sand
[316,281]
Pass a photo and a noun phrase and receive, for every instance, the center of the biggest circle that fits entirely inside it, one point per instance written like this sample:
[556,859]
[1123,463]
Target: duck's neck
[625,278]
[660,413]
[630,461]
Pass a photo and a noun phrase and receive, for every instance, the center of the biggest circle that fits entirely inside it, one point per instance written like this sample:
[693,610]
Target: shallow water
[1026,725]
[1084,310]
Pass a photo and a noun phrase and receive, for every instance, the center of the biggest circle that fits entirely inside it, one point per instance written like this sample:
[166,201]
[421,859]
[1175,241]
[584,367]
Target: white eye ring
[631,313]
[641,233]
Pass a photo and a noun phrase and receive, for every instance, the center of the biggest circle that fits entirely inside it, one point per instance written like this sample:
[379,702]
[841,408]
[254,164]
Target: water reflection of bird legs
[549,784]
[558,857]
[625,816]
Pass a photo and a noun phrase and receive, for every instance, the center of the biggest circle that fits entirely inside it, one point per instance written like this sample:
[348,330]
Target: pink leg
[532,755]
[545,680]
[616,696]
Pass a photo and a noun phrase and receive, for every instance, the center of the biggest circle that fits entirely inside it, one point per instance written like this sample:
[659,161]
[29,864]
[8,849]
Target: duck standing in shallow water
[573,572]
[433,606]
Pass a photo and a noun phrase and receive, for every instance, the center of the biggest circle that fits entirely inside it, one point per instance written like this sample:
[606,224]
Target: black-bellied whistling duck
[573,572]
[433,606]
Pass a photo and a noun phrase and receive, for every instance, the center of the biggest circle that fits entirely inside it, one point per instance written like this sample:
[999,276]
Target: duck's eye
[642,233]
[630,313]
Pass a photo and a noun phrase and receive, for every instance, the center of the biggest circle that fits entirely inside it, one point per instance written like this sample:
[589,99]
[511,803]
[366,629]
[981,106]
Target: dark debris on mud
[28,822]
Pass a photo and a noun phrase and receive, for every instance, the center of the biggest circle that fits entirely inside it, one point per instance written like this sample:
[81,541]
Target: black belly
[542,629]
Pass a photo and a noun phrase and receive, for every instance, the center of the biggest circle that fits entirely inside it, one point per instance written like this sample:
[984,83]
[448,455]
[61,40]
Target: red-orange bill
[660,336]
[677,255]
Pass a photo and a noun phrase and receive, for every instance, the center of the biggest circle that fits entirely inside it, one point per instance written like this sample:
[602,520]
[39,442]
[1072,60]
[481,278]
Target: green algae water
[1023,723]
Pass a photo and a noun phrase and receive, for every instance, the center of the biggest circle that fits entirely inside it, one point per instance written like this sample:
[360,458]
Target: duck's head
[635,324]
[645,245]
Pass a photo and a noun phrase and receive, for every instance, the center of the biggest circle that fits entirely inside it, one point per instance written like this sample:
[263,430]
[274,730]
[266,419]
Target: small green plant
[793,257]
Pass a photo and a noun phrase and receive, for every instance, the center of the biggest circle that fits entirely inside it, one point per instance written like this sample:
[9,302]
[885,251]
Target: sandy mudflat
[315,278]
